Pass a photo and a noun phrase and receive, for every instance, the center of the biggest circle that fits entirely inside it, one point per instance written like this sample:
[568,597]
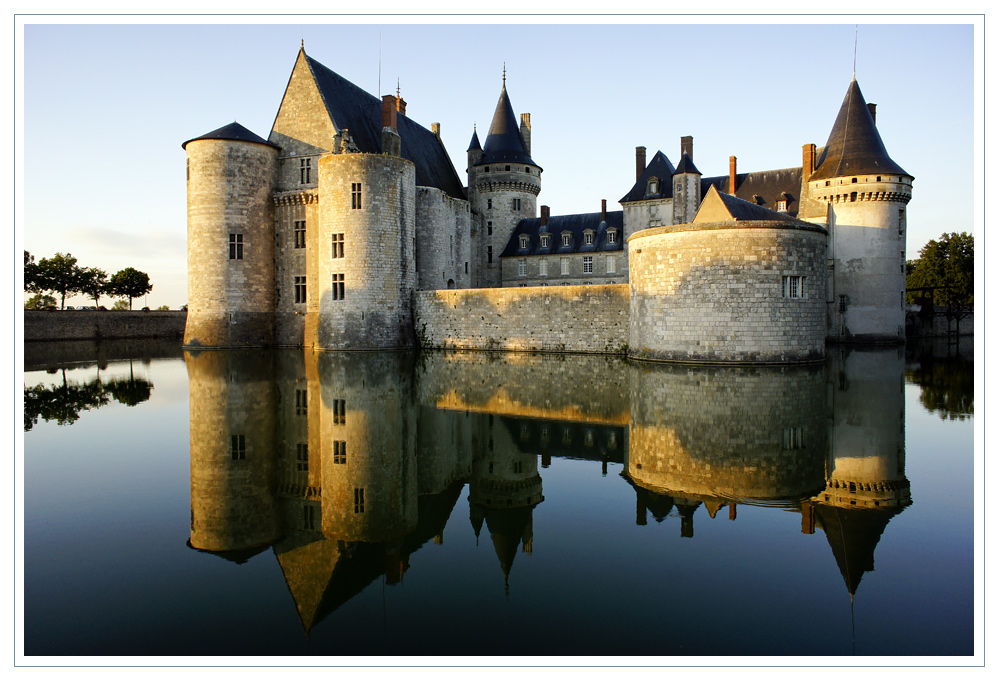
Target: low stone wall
[65,325]
[579,319]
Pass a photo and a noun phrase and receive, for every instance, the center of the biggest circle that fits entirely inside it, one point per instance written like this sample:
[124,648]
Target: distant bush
[164,307]
[121,304]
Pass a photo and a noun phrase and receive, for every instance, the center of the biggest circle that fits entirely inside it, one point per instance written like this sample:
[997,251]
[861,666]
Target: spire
[505,75]
[854,147]
[504,141]
[474,145]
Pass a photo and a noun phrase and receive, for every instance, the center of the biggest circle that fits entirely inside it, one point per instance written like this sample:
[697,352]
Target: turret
[687,184]
[861,193]
[504,182]
[231,174]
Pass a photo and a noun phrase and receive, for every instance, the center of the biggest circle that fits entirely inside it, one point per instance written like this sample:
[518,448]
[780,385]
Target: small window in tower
[489,203]
[527,170]
[300,234]
[359,500]
[854,196]
[842,303]
[522,267]
[854,180]
[467,267]
[588,264]
[355,195]
[902,261]
[515,204]
[338,287]
[339,412]
[235,247]
[489,227]
[300,289]
[506,168]
[524,241]
[338,245]
[878,178]
[239,447]
[308,517]
[305,171]
[902,220]
[302,456]
[486,170]
[793,286]
[301,402]
[489,254]
[340,452]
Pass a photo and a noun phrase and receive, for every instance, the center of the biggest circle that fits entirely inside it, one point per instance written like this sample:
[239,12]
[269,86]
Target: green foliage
[94,283]
[946,387]
[59,274]
[31,279]
[164,307]
[122,304]
[948,263]
[129,283]
[63,404]
[40,302]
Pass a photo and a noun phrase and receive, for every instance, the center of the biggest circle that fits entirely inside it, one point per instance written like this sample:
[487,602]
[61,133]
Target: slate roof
[686,165]
[503,143]
[659,167]
[740,209]
[854,146]
[474,143]
[576,224]
[233,131]
[361,113]
[772,185]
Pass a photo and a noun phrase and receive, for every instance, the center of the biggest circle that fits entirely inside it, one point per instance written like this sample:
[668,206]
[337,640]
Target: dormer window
[588,237]
[653,186]
[782,205]
[544,241]
[524,241]
[567,240]
[612,236]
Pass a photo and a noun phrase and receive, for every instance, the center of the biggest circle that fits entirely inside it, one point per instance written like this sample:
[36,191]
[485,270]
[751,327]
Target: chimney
[640,162]
[687,146]
[604,210]
[808,160]
[401,105]
[871,110]
[545,216]
[388,111]
[526,132]
[732,175]
[436,129]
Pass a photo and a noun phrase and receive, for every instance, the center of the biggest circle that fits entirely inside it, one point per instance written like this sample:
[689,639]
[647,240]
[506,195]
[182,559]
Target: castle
[349,225]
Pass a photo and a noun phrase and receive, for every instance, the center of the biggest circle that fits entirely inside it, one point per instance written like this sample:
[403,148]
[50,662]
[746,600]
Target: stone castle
[349,228]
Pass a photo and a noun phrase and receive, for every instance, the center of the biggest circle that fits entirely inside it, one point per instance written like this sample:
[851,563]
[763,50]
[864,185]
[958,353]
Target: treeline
[61,276]
[63,404]
[944,272]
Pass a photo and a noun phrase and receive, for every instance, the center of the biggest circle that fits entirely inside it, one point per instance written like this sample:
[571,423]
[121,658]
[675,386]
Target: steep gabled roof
[659,167]
[854,147]
[503,143]
[233,131]
[361,113]
[721,207]
[576,224]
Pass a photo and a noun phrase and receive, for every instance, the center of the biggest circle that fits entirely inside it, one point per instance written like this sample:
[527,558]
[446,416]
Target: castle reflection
[345,465]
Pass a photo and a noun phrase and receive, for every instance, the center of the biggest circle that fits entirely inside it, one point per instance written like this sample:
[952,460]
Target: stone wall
[60,325]
[576,319]
[444,247]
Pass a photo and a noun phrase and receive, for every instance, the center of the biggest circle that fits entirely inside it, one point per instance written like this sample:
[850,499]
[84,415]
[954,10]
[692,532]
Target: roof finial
[854,76]
[303,44]
[505,75]
[397,88]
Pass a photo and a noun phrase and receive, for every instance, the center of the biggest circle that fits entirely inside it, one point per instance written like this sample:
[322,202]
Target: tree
[40,302]
[31,283]
[129,283]
[94,282]
[120,304]
[61,275]
[164,307]
[947,265]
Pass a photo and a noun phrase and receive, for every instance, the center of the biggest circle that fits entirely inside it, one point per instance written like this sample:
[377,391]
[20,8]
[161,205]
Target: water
[291,503]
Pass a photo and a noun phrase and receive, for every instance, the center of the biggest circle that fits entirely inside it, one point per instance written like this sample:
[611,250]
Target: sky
[108,100]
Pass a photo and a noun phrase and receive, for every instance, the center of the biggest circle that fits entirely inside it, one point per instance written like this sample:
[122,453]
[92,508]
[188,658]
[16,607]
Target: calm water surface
[294,503]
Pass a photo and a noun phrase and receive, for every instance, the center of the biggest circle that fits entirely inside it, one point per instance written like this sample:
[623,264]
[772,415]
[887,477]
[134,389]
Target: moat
[285,503]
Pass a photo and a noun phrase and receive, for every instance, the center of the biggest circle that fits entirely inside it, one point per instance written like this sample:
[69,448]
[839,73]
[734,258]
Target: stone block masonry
[68,325]
[578,319]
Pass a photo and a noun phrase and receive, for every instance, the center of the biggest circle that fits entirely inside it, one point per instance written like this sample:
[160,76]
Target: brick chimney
[436,129]
[388,111]
[871,110]
[732,175]
[640,162]
[808,160]
[604,210]
[545,216]
[401,105]
[687,146]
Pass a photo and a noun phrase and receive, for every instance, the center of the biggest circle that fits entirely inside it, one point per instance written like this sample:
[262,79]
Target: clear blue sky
[107,107]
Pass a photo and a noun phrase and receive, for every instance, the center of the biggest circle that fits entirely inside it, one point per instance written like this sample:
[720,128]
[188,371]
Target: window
[564,265]
[489,203]
[506,168]
[527,170]
[902,220]
[567,239]
[300,234]
[355,195]
[843,303]
[308,517]
[793,286]
[518,467]
[302,456]
[467,267]
[489,254]
[588,264]
[611,264]
[652,186]
[489,227]
[239,450]
[338,245]
[612,236]
[305,171]
[854,196]
[235,247]
[337,286]
[791,438]
[902,261]
[301,401]
[339,412]
[300,289]
[783,205]
[515,204]
[524,241]
[902,300]
[588,238]
[486,170]
[340,452]
[543,268]
[522,267]
[544,241]
[359,500]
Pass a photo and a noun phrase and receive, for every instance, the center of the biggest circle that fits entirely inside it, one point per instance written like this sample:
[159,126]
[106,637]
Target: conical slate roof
[854,147]
[686,165]
[474,144]
[233,131]
[504,143]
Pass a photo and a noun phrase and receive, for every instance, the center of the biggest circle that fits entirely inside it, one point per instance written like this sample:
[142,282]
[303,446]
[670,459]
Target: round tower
[231,174]
[687,185]
[861,193]
[504,183]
